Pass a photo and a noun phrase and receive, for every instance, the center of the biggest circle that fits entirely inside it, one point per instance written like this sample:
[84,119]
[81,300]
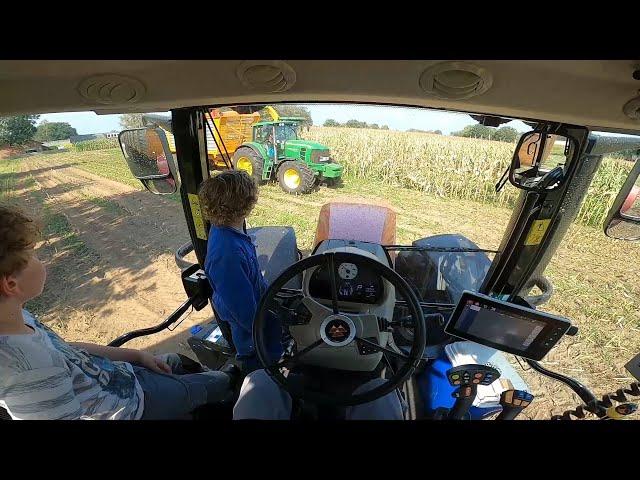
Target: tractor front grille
[316,154]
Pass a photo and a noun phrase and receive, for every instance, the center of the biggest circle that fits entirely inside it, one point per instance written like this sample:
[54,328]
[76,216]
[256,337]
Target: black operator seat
[277,250]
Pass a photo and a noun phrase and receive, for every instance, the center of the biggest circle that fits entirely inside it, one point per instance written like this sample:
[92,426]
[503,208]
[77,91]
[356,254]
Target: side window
[262,133]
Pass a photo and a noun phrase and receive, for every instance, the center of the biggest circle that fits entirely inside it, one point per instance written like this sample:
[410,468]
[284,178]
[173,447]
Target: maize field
[452,167]
[98,144]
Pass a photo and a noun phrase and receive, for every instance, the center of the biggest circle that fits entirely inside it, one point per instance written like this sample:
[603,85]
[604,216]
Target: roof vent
[455,80]
[266,76]
[632,108]
[110,89]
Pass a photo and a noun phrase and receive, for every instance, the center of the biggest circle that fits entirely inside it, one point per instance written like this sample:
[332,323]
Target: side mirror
[623,220]
[541,160]
[147,153]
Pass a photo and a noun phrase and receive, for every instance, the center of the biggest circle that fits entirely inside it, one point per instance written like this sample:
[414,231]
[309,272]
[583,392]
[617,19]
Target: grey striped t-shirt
[43,377]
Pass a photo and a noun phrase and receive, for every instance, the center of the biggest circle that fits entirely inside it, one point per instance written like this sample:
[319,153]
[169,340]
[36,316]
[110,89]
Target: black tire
[256,161]
[305,177]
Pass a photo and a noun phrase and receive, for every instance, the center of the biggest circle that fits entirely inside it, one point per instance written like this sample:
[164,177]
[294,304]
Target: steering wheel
[351,330]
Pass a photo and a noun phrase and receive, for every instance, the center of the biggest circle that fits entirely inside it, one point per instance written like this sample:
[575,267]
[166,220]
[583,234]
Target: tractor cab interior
[432,317]
[361,305]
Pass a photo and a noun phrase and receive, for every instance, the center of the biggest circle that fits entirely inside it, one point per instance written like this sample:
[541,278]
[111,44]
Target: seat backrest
[443,276]
[277,249]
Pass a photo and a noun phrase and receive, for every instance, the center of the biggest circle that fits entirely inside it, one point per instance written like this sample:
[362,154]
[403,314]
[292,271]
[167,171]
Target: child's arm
[120,354]
[230,275]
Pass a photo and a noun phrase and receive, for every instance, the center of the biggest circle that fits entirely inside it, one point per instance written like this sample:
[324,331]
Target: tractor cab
[276,134]
[434,317]
[408,274]
[299,164]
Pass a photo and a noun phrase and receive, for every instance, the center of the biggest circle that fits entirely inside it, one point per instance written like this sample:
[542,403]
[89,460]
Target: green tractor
[276,152]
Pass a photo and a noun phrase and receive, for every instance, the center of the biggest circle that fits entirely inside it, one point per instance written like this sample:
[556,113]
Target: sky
[85,122]
[397,118]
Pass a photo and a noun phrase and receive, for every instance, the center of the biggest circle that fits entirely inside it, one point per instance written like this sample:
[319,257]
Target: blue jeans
[175,396]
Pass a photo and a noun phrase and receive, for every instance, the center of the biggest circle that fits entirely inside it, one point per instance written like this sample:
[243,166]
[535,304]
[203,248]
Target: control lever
[513,402]
[467,378]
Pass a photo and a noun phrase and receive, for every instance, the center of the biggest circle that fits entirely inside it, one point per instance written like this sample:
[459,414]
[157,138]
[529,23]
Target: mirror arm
[503,180]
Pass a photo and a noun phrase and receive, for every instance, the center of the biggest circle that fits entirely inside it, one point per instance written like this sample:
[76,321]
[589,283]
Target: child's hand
[147,360]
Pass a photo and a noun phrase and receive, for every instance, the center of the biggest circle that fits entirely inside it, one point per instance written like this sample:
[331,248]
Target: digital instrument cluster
[354,283]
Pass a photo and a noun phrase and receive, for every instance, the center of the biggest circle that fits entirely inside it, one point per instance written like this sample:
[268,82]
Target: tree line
[353,124]
[20,129]
[502,134]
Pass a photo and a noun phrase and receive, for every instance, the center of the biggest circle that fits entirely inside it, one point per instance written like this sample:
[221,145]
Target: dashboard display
[512,331]
[354,284]
[506,326]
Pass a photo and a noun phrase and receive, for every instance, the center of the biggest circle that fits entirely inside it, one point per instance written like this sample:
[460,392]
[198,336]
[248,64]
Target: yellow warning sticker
[196,213]
[538,229]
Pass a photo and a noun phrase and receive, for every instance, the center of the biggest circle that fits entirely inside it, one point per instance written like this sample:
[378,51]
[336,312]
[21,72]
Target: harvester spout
[272,112]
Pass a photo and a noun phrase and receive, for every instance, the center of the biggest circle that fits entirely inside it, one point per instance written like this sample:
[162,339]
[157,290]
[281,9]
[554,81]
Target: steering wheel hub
[337,330]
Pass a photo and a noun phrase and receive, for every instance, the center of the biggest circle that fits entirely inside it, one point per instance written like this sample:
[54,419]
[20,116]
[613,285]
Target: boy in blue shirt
[232,263]
[237,283]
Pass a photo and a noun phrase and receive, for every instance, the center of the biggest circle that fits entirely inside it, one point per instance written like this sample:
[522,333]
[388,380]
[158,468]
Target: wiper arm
[437,249]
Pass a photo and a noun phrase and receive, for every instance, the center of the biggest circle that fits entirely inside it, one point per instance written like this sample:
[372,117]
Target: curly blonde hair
[18,236]
[228,197]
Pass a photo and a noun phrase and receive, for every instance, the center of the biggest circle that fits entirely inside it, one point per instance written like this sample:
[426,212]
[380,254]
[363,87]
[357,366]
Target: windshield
[286,132]
[427,179]
[436,171]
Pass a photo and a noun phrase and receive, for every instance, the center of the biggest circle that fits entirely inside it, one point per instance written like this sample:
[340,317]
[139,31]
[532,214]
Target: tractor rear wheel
[247,159]
[296,177]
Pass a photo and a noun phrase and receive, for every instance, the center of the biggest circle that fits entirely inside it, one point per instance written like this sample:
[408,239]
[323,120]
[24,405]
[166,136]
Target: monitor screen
[506,326]
[487,322]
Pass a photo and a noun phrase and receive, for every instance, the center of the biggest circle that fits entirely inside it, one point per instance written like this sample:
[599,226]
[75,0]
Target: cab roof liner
[600,94]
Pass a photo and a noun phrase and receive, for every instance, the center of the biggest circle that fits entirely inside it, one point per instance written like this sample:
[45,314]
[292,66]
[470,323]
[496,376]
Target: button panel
[516,398]
[365,349]
[472,375]
[464,392]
